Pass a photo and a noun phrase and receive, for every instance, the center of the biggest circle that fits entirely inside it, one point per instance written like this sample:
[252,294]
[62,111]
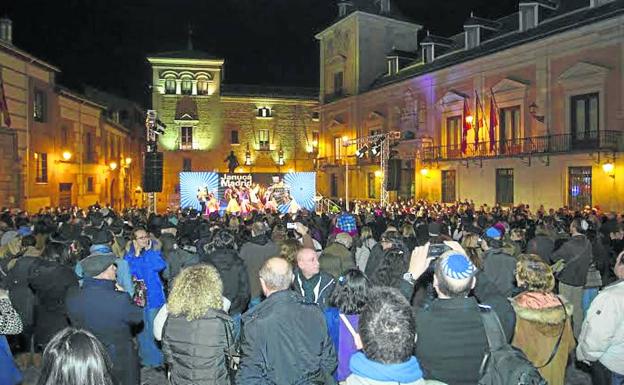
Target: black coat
[500,268]
[543,246]
[109,315]
[234,276]
[451,340]
[575,271]
[285,341]
[50,283]
[194,349]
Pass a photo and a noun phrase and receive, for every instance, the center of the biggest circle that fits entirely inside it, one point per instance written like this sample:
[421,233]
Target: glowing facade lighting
[469,119]
[128,161]
[378,173]
[424,171]
[113,165]
[67,156]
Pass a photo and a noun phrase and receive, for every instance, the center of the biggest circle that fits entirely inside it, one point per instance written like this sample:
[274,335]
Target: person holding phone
[145,265]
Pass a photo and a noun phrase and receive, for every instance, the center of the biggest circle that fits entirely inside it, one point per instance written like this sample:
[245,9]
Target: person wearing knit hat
[451,340]
[493,232]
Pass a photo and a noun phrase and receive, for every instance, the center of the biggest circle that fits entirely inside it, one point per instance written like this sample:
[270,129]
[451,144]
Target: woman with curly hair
[346,303]
[197,330]
[543,320]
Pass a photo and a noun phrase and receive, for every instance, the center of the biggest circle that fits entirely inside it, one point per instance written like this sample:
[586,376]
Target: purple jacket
[342,339]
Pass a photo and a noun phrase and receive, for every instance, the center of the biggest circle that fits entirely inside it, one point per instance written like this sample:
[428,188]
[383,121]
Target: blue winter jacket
[146,267]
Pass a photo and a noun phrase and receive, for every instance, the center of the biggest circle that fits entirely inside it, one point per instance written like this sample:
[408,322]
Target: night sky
[103,43]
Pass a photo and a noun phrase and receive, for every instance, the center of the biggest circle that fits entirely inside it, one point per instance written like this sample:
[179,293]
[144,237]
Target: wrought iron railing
[536,145]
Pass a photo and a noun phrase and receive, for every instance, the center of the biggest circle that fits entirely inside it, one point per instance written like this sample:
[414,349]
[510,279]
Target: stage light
[361,152]
[67,156]
[113,165]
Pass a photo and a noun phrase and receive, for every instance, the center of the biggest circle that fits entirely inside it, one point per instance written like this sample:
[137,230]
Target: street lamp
[128,161]
[67,156]
[113,165]
[608,168]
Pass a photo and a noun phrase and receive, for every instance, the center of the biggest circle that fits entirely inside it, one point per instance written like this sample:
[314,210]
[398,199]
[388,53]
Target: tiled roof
[571,14]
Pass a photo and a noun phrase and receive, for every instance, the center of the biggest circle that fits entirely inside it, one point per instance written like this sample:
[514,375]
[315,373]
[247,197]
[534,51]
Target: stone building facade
[551,74]
[269,129]
[56,146]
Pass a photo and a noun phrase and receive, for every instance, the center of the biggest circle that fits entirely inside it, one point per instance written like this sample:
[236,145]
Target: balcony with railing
[536,145]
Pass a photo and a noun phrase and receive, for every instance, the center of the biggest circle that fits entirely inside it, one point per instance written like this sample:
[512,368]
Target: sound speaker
[153,172]
[393,183]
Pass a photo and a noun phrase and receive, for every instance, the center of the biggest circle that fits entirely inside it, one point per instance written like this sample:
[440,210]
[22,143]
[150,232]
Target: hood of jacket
[541,308]
[405,372]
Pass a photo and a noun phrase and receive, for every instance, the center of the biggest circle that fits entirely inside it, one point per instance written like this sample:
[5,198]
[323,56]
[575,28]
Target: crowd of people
[415,293]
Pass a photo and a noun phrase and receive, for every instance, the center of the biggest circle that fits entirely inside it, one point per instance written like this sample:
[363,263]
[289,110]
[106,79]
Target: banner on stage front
[211,192]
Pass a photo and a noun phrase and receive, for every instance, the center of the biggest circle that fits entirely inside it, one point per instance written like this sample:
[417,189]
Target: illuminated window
[39,106]
[170,86]
[187,87]
[186,138]
[264,112]
[234,137]
[202,87]
[41,165]
[337,147]
[263,139]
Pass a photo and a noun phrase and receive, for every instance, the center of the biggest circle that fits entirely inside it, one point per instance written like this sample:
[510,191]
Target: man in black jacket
[255,253]
[310,281]
[108,314]
[577,255]
[284,339]
[451,340]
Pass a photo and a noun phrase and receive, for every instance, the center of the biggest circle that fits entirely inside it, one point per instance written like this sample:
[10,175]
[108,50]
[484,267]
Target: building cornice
[355,14]
[26,56]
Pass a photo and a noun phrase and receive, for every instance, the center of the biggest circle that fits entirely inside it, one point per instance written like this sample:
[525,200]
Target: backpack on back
[504,364]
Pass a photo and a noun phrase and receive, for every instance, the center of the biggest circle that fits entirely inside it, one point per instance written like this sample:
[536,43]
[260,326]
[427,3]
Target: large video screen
[210,192]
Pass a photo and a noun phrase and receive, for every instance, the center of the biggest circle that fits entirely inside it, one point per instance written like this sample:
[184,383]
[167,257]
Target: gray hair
[277,274]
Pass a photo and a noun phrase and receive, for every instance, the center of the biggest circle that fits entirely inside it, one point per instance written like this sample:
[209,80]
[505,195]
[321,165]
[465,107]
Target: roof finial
[189,43]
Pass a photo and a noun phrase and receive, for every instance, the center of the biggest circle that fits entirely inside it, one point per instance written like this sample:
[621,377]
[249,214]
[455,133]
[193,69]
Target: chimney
[6,30]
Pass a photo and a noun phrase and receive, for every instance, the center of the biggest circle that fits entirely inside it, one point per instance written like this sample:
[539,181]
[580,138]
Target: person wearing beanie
[102,244]
[451,339]
[499,266]
[107,313]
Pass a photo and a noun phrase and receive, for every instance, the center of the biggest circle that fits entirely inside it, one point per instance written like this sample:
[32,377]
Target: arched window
[170,86]
[202,87]
[187,87]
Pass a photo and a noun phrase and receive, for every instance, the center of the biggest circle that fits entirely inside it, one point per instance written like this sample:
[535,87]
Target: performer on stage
[213,203]
[202,194]
[233,207]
